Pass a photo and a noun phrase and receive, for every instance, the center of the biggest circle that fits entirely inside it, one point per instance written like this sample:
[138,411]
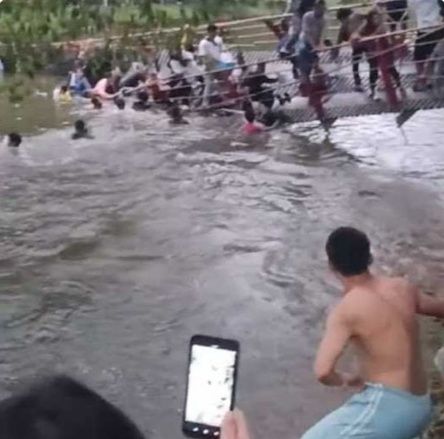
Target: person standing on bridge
[350,23]
[429,19]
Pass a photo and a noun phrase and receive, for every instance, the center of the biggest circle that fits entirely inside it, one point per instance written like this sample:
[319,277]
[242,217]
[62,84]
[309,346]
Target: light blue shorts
[377,412]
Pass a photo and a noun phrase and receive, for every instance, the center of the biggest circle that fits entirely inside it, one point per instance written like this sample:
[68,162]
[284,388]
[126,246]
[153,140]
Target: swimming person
[80,130]
[378,315]
[251,126]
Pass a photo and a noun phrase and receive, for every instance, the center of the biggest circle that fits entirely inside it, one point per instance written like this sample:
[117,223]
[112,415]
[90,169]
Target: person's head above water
[14,139]
[250,117]
[348,251]
[97,104]
[62,408]
[142,96]
[119,103]
[64,89]
[212,31]
[80,126]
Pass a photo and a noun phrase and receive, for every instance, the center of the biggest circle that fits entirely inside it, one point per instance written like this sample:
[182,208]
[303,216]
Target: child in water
[80,131]
[251,126]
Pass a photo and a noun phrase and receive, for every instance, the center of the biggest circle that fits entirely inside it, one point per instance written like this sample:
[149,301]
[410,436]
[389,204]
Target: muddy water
[114,251]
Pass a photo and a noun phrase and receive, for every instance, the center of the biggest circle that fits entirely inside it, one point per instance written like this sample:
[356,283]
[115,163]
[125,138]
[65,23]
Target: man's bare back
[378,316]
[382,315]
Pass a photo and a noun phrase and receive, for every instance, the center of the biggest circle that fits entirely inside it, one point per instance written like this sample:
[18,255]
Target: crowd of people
[378,315]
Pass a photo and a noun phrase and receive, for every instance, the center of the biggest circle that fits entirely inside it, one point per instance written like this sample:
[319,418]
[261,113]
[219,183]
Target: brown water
[115,251]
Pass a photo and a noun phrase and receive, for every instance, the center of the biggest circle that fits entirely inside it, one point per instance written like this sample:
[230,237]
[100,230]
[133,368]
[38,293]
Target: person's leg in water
[357,53]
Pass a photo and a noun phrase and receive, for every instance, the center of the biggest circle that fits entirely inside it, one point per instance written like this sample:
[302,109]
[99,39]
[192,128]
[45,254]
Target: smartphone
[211,385]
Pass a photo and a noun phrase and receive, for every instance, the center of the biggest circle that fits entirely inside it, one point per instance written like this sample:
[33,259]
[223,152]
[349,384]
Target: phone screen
[211,381]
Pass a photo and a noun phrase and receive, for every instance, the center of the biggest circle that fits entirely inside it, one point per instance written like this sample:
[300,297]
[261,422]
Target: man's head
[343,13]
[175,112]
[14,140]
[212,31]
[250,116]
[319,8]
[95,101]
[119,103]
[64,89]
[348,251]
[142,96]
[79,126]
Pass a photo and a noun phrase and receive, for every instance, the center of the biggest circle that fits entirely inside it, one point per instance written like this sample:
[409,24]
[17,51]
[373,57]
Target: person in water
[251,126]
[142,103]
[378,315]
[176,116]
[80,130]
[13,140]
[96,103]
[119,102]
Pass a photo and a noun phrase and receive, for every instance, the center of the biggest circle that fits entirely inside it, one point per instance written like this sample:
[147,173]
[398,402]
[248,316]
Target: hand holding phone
[235,426]
[211,385]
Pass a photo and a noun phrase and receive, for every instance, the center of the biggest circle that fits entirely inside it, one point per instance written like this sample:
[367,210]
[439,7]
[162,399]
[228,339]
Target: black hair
[250,116]
[79,125]
[64,88]
[142,96]
[119,103]
[14,139]
[343,13]
[348,251]
[211,28]
[174,111]
[62,408]
[96,103]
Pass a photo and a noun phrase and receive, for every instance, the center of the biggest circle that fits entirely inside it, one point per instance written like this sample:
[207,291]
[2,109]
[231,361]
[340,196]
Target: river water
[114,251]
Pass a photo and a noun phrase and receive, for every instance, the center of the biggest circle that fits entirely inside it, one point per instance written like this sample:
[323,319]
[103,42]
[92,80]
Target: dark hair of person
[348,251]
[14,139]
[142,96]
[64,88]
[119,103]
[343,13]
[62,408]
[79,125]
[96,103]
[250,116]
[211,28]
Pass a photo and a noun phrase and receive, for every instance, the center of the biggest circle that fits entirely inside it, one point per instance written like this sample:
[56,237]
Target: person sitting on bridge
[350,23]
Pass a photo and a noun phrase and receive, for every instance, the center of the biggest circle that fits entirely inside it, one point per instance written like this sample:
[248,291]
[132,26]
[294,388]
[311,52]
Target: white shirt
[427,12]
[211,49]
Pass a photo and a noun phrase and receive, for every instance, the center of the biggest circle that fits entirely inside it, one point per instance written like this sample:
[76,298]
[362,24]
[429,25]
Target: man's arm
[336,337]
[429,305]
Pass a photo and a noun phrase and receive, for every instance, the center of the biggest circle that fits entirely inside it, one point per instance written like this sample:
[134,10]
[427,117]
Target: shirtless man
[378,315]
